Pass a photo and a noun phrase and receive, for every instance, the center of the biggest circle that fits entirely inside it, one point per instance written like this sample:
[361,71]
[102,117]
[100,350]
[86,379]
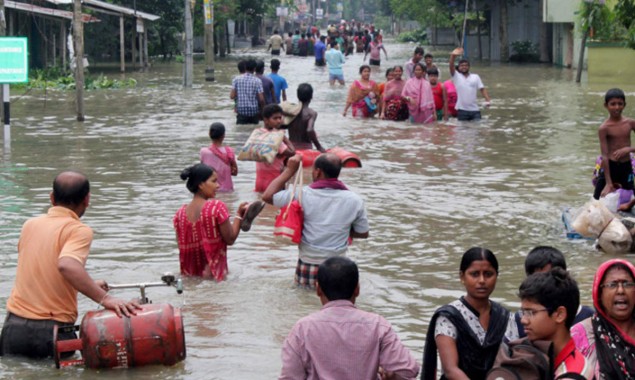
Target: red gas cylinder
[308,156]
[154,336]
[349,160]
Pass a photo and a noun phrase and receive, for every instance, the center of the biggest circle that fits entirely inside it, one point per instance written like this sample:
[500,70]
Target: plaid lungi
[306,274]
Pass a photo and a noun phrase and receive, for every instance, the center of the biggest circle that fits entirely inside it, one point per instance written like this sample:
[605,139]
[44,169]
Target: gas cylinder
[154,336]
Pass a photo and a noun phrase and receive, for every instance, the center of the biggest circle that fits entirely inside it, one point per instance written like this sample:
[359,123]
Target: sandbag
[615,238]
[591,219]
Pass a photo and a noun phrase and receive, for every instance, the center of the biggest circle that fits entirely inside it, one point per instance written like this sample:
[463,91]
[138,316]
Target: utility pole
[208,9]
[78,42]
[188,68]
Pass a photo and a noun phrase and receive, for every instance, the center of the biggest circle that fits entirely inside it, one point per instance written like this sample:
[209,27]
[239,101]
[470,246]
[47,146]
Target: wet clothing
[303,47]
[467,89]
[247,88]
[421,106]
[267,172]
[268,89]
[220,159]
[468,115]
[335,59]
[356,97]
[202,250]
[31,337]
[41,297]
[319,50]
[275,43]
[344,343]
[329,215]
[279,84]
[306,274]
[621,172]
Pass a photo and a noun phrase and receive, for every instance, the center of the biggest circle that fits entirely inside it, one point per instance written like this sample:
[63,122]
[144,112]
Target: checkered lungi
[306,274]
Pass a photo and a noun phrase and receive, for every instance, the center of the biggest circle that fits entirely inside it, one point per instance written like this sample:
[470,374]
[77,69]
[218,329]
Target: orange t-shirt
[40,291]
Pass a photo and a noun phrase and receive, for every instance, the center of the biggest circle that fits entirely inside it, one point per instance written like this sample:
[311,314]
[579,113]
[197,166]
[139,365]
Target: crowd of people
[466,337]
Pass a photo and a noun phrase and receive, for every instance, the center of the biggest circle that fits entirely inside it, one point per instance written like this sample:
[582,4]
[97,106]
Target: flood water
[431,193]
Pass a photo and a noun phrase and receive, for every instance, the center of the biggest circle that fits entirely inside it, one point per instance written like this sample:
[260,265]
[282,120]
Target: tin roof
[86,18]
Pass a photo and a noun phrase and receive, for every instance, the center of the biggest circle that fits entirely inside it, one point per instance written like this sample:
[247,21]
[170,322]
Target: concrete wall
[524,21]
[560,10]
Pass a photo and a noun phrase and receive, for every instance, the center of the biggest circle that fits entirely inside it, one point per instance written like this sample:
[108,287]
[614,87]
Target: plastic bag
[591,219]
[615,238]
[611,201]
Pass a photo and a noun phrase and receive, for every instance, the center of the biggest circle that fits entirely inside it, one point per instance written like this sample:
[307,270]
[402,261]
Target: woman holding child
[203,229]
[418,93]
[362,95]
[394,106]
[468,332]
[608,338]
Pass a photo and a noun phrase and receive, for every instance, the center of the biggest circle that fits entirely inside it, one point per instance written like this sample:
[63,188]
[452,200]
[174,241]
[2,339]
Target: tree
[625,14]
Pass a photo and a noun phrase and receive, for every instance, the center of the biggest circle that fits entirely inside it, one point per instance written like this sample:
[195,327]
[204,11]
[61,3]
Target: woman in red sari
[357,93]
[418,93]
[203,229]
[394,106]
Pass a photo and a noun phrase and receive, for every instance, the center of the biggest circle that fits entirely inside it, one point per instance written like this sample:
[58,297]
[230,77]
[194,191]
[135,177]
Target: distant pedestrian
[275,43]
[320,51]
[374,49]
[279,83]
[335,59]
[409,67]
[288,42]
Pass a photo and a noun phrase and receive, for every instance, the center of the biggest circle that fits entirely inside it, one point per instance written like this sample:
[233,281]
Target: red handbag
[289,221]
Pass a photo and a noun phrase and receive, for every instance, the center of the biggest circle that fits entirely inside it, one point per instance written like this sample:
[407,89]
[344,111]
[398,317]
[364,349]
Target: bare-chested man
[302,129]
[615,144]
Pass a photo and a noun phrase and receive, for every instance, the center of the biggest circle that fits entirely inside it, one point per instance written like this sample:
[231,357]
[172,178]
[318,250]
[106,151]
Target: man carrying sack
[332,214]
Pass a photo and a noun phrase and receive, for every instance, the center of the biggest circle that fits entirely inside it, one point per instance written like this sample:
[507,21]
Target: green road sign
[14,60]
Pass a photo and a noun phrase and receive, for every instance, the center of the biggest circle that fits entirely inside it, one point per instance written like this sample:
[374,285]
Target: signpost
[14,68]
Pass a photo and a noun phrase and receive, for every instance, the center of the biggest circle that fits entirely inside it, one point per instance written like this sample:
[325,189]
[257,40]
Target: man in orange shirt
[52,253]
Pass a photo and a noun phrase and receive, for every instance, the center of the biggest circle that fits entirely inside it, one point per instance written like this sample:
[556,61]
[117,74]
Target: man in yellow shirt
[52,253]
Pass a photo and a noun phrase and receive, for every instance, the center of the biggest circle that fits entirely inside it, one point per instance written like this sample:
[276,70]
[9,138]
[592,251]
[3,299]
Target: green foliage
[606,24]
[625,15]
[55,78]
[524,51]
[418,36]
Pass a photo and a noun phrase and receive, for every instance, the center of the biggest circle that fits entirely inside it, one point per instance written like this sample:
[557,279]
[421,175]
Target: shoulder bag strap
[296,181]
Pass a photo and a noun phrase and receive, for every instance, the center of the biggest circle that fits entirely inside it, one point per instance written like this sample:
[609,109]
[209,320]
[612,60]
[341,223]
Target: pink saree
[422,105]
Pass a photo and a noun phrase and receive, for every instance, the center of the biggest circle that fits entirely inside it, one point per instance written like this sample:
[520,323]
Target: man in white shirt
[332,214]
[467,85]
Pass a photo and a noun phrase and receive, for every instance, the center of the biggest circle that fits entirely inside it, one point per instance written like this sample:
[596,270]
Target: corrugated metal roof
[120,9]
[86,18]
[111,7]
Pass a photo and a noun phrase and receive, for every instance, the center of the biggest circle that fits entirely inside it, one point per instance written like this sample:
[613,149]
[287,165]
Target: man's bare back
[301,130]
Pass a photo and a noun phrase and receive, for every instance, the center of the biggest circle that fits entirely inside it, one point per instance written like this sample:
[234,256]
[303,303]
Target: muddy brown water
[432,191]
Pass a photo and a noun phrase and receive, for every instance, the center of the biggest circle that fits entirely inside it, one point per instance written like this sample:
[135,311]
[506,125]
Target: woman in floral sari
[394,106]
[607,339]
[418,94]
[359,90]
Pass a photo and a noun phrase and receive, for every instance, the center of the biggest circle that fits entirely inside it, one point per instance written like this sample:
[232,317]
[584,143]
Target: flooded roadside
[431,192]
